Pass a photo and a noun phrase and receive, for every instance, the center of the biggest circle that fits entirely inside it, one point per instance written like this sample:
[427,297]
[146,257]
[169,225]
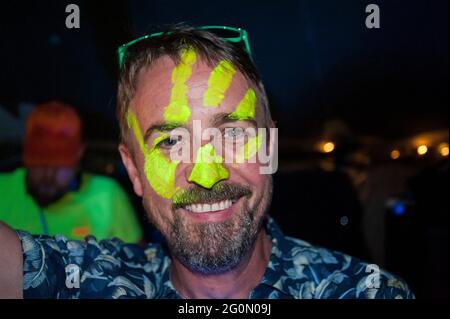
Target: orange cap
[52,136]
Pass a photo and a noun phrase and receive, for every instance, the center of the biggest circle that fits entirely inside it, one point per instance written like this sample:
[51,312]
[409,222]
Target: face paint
[178,110]
[218,83]
[246,108]
[159,170]
[252,147]
[246,111]
[208,169]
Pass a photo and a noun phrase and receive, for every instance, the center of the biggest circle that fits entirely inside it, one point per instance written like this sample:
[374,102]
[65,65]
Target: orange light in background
[328,147]
[422,149]
[443,149]
[395,154]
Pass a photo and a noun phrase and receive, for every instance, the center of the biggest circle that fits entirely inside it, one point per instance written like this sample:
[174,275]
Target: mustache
[217,193]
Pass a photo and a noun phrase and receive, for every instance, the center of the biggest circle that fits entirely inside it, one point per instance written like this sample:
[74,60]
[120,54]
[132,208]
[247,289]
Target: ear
[132,170]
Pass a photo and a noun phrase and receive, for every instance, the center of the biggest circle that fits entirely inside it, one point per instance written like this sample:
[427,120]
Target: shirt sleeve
[53,267]
[393,287]
[360,280]
[44,262]
[58,268]
[376,283]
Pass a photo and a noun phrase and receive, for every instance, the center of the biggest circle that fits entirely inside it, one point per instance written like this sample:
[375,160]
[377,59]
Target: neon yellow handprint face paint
[251,147]
[158,169]
[246,108]
[218,83]
[178,109]
[208,169]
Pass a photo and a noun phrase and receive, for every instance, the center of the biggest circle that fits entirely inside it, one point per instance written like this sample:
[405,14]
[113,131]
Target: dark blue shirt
[55,267]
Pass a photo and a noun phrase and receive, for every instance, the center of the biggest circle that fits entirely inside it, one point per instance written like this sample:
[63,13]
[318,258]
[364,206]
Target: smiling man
[211,207]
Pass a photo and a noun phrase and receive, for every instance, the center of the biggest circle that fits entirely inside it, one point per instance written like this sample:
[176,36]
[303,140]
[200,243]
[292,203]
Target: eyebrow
[222,118]
[218,119]
[161,127]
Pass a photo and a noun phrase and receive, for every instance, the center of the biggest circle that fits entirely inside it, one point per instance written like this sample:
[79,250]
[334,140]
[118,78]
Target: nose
[208,169]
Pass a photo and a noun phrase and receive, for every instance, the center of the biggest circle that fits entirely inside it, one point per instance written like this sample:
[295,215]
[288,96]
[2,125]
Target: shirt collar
[271,281]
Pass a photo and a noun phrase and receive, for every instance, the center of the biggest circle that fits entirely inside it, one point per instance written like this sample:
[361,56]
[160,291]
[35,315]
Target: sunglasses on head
[229,34]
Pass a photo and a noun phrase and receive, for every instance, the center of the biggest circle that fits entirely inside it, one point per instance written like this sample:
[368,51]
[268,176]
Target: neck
[235,284]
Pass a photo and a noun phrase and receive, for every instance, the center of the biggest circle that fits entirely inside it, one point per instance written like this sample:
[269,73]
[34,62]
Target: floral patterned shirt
[55,267]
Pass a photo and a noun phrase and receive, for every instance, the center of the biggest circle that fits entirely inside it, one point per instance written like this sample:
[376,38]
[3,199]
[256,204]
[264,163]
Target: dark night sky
[317,58]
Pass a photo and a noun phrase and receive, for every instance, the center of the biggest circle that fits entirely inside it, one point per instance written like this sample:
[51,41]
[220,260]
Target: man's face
[209,211]
[48,184]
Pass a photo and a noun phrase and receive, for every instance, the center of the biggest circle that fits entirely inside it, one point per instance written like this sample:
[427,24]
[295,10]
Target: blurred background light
[395,154]
[398,208]
[328,147]
[422,149]
[443,149]
[343,220]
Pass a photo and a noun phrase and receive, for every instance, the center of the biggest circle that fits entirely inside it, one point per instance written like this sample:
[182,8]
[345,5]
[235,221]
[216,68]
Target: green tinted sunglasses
[229,34]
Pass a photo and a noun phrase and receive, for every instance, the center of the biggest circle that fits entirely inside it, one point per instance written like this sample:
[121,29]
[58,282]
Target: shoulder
[332,274]
[104,268]
[12,188]
[101,183]
[89,248]
[17,175]
[99,180]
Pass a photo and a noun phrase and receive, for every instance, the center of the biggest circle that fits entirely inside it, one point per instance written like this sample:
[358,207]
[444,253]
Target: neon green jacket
[99,207]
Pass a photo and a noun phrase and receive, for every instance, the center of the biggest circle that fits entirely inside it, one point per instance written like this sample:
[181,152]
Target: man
[51,196]
[219,240]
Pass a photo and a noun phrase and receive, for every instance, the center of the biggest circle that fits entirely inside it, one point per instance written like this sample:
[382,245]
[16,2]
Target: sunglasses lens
[224,33]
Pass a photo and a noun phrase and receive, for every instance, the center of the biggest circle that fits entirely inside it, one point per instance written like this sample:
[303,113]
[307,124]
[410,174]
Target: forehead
[154,91]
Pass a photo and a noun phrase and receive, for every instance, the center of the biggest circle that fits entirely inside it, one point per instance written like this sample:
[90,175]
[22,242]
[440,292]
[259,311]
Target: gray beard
[211,248]
[214,247]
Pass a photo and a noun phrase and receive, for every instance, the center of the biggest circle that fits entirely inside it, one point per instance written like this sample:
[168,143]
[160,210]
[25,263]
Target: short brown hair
[210,47]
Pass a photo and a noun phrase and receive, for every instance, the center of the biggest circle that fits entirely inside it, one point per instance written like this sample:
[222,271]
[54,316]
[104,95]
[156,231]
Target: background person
[50,195]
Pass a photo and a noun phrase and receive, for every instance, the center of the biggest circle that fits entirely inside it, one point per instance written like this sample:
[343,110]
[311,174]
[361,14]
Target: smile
[210,207]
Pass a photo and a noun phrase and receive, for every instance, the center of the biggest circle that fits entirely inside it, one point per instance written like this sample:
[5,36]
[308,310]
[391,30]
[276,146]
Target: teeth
[205,208]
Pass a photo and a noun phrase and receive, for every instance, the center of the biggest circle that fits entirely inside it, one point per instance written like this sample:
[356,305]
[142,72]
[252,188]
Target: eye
[168,142]
[234,132]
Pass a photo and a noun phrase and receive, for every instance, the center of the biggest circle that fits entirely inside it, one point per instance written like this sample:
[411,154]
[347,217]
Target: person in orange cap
[51,196]
[52,150]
